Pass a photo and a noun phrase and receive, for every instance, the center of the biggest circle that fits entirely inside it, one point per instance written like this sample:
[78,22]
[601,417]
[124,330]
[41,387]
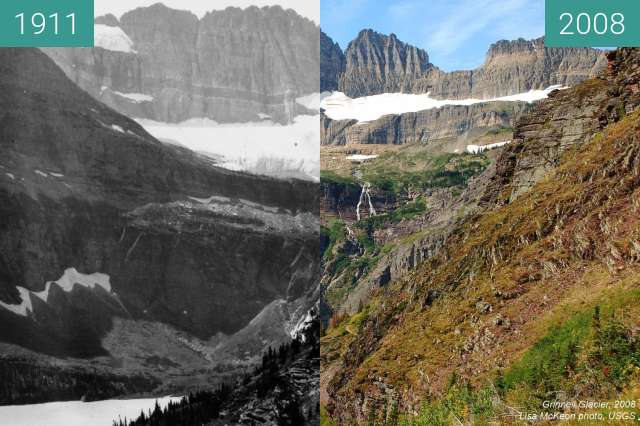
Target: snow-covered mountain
[204,81]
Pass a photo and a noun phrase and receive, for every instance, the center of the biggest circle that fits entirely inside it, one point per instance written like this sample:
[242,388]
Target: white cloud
[404,9]
[471,17]
[307,8]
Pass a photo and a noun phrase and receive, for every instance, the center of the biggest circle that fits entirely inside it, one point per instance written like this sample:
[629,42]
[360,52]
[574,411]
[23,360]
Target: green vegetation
[552,358]
[592,350]
[404,173]
[407,211]
[355,267]
[502,130]
[332,177]
[325,420]
[334,233]
[592,353]
[461,404]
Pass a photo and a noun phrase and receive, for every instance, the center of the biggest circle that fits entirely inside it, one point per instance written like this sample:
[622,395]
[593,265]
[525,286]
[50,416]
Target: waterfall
[365,193]
[372,211]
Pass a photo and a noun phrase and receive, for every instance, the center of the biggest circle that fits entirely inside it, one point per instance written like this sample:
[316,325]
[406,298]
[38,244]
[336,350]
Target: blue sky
[455,33]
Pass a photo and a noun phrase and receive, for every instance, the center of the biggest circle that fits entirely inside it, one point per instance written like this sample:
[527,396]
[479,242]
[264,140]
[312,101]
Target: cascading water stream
[365,193]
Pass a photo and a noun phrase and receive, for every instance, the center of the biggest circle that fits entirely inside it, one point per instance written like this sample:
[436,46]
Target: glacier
[339,106]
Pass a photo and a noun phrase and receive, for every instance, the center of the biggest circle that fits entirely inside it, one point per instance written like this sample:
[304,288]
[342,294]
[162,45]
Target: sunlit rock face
[376,63]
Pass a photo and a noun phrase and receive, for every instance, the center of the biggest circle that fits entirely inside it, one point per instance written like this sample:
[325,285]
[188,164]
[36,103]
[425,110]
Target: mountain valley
[115,260]
[457,267]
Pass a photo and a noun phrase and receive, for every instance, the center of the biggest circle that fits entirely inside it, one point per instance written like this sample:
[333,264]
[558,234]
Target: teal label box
[46,23]
[592,23]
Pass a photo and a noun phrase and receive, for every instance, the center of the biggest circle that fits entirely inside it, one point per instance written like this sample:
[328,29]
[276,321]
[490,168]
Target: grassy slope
[571,242]
[401,172]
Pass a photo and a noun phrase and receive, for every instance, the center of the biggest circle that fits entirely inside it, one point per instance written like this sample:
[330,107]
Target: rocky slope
[232,65]
[553,243]
[332,64]
[156,234]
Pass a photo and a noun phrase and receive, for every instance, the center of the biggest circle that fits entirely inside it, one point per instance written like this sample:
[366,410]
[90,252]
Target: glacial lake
[78,413]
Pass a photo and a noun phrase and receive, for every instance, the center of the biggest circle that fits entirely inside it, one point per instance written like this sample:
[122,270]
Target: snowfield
[262,147]
[339,106]
[361,157]
[135,97]
[67,281]
[112,38]
[77,413]
[477,149]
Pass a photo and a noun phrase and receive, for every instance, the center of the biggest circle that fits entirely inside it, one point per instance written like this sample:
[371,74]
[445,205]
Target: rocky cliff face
[376,63]
[515,67]
[342,199]
[540,139]
[568,119]
[332,63]
[230,66]
[423,126]
[182,242]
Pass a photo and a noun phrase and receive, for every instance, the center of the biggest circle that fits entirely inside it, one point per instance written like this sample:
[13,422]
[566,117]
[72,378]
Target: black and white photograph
[159,219]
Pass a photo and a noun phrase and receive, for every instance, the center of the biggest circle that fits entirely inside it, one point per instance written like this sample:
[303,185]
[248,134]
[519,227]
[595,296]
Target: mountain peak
[378,63]
[331,63]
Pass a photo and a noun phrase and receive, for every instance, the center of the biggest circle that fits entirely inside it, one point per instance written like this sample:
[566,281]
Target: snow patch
[300,330]
[24,306]
[477,149]
[361,157]
[67,281]
[135,97]
[11,176]
[41,173]
[78,413]
[339,106]
[112,38]
[58,175]
[117,128]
